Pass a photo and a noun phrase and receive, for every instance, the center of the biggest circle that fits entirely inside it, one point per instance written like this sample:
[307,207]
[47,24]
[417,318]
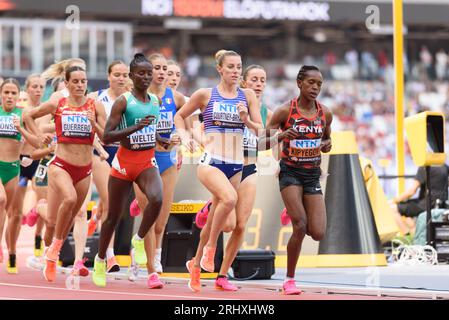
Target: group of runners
[132,135]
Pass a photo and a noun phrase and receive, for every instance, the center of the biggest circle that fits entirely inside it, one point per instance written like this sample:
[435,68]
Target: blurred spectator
[352,59]
[369,66]
[426,61]
[441,64]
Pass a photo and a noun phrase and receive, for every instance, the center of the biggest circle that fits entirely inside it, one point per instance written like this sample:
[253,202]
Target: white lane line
[168,296]
[9,298]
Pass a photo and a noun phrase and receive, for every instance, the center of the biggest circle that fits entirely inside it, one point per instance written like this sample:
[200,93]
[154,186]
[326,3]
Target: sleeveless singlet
[166,126]
[7,128]
[145,138]
[221,114]
[249,139]
[305,151]
[72,124]
[106,100]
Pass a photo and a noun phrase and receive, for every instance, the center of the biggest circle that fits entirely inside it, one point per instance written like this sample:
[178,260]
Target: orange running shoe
[207,260]
[49,270]
[92,224]
[112,265]
[194,273]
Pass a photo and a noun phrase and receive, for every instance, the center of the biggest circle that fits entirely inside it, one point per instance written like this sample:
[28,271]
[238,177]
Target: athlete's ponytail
[302,72]
[138,58]
[222,54]
[57,70]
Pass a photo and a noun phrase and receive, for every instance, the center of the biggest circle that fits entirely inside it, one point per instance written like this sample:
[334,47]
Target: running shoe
[154,282]
[31,217]
[133,270]
[51,259]
[207,260]
[194,274]
[79,269]
[285,218]
[38,247]
[134,209]
[289,288]
[112,265]
[92,224]
[49,270]
[33,214]
[222,283]
[11,266]
[99,272]
[157,263]
[140,255]
[201,216]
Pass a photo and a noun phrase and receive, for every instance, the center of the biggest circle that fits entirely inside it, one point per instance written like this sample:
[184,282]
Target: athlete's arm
[99,120]
[30,138]
[46,108]
[326,142]
[271,135]
[38,154]
[197,101]
[254,121]
[110,134]
[269,116]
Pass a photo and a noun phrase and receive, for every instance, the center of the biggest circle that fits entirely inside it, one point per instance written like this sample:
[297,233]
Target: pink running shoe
[285,218]
[201,216]
[289,288]
[31,217]
[154,282]
[134,209]
[80,269]
[222,283]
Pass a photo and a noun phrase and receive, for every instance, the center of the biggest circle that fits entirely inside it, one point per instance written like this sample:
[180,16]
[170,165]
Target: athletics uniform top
[165,125]
[304,151]
[72,124]
[145,138]
[107,101]
[7,128]
[249,139]
[221,114]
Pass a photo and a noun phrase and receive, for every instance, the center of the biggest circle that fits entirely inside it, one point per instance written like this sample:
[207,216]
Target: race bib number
[7,127]
[76,126]
[145,138]
[226,115]
[41,171]
[249,140]
[165,124]
[205,158]
[305,149]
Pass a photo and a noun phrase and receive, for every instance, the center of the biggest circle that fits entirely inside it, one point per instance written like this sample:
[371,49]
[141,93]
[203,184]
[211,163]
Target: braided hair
[304,69]
[138,59]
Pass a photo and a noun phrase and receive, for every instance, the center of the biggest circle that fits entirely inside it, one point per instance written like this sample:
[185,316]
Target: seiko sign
[239,9]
